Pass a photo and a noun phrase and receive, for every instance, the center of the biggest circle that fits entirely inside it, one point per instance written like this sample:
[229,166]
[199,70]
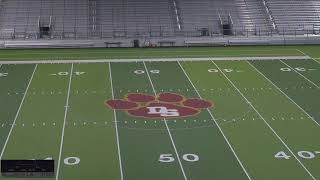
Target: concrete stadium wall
[160,42]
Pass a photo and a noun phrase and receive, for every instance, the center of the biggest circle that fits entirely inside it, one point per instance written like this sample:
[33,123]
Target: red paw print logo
[164,105]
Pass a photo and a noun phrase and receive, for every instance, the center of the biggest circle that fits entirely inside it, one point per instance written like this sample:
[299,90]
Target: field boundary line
[64,122]
[18,112]
[226,139]
[167,127]
[300,74]
[304,111]
[154,59]
[116,124]
[270,127]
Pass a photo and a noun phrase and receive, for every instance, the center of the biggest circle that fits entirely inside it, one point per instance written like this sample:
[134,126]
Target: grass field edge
[18,112]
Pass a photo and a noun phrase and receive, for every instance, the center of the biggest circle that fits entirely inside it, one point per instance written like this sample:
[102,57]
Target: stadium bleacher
[105,19]
[296,16]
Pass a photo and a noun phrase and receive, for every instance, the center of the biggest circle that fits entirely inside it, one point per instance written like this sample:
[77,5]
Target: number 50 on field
[168,158]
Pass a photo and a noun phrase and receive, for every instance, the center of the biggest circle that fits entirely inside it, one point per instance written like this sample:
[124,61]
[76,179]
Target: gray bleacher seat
[295,16]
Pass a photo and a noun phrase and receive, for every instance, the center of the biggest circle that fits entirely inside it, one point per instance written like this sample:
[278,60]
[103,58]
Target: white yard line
[64,122]
[300,74]
[284,93]
[275,133]
[166,124]
[226,139]
[153,59]
[17,114]
[116,125]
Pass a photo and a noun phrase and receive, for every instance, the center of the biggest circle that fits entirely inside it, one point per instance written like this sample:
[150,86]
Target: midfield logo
[163,111]
[164,105]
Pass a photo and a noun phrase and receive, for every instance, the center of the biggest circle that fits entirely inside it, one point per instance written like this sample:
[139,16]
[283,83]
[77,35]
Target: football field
[165,120]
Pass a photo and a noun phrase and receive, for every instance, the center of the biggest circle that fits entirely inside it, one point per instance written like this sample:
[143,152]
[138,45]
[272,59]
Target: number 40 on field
[302,154]
[77,73]
[3,74]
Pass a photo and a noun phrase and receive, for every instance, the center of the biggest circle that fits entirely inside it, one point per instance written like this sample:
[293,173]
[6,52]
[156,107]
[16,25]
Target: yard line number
[168,158]
[225,70]
[302,154]
[299,69]
[3,74]
[70,161]
[77,73]
[155,71]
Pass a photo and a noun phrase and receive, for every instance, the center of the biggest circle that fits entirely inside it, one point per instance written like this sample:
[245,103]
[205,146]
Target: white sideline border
[155,60]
